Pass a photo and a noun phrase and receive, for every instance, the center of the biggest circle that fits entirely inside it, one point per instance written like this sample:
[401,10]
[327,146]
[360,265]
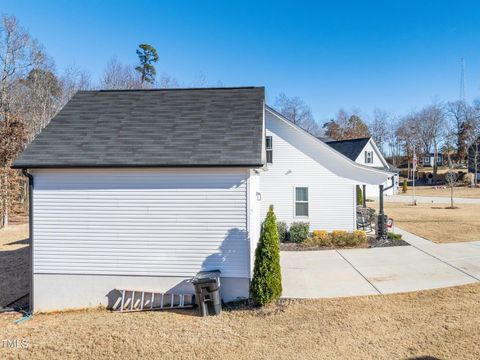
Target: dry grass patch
[459,192]
[14,263]
[435,222]
[439,323]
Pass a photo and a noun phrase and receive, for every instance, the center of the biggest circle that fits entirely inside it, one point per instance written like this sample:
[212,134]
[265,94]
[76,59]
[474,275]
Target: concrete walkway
[353,272]
[430,199]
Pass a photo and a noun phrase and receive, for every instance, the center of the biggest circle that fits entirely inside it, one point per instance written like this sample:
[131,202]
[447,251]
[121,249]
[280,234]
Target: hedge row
[337,238]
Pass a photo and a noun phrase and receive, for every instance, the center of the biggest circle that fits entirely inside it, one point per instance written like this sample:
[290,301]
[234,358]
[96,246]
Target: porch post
[380,199]
[364,187]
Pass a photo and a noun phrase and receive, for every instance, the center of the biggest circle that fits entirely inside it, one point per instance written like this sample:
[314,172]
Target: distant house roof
[325,139]
[393,168]
[350,148]
[162,127]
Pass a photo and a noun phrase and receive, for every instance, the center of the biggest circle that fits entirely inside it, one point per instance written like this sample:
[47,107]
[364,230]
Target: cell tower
[462,80]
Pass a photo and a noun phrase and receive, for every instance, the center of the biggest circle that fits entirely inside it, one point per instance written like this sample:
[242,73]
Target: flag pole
[413,175]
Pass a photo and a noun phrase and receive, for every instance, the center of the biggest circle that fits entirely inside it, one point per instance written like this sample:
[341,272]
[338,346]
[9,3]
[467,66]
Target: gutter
[30,231]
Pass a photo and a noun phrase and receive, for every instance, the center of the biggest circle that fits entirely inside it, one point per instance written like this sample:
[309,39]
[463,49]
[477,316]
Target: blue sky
[396,56]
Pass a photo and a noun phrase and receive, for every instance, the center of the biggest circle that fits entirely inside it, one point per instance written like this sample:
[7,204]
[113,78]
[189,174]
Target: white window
[439,160]
[301,201]
[368,157]
[426,160]
[269,148]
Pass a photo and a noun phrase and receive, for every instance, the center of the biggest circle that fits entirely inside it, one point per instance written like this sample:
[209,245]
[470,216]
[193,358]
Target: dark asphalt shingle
[171,127]
[349,148]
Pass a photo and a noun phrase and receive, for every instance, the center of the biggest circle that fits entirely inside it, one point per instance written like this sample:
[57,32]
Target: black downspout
[381,213]
[30,231]
[364,189]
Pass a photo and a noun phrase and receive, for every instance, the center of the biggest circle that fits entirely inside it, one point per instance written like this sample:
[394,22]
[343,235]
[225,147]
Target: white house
[364,151]
[141,189]
[428,159]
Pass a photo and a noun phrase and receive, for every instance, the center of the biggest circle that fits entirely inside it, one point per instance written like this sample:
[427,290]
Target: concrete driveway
[353,272]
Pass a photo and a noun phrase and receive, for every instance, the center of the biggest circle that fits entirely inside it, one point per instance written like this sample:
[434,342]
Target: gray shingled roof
[349,148]
[171,127]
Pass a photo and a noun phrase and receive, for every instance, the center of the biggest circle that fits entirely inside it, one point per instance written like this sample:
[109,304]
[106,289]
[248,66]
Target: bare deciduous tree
[451,176]
[73,80]
[460,115]
[431,121]
[166,81]
[408,137]
[119,76]
[19,54]
[380,128]
[299,113]
[473,140]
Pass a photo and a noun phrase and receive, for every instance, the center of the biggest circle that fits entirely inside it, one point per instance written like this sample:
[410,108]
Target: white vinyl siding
[375,159]
[331,198]
[153,222]
[370,157]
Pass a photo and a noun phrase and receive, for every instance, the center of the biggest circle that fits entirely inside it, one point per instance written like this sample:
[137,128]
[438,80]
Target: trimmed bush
[337,238]
[404,186]
[266,284]
[299,231]
[318,238]
[394,236]
[359,237]
[359,195]
[282,231]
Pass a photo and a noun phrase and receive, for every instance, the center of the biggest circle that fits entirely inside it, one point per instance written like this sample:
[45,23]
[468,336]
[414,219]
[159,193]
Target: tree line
[452,128]
[32,91]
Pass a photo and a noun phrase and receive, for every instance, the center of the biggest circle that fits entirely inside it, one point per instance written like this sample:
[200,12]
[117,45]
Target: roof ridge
[355,139]
[174,89]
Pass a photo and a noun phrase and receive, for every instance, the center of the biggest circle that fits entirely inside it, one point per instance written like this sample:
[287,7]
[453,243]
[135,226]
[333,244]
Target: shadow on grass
[20,242]
[14,274]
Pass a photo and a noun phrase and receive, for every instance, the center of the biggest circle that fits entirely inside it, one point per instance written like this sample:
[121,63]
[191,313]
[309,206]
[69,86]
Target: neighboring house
[428,159]
[141,189]
[364,151]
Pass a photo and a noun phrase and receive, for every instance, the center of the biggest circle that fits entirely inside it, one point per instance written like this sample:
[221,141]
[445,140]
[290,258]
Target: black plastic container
[207,290]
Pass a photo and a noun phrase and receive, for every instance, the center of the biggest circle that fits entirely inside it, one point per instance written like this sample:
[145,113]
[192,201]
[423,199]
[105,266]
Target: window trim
[300,202]
[269,149]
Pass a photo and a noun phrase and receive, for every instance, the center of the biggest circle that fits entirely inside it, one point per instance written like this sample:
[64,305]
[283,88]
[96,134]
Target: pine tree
[267,279]
[147,55]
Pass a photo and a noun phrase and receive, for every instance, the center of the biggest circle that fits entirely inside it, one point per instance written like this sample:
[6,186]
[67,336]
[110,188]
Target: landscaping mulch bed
[372,243]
